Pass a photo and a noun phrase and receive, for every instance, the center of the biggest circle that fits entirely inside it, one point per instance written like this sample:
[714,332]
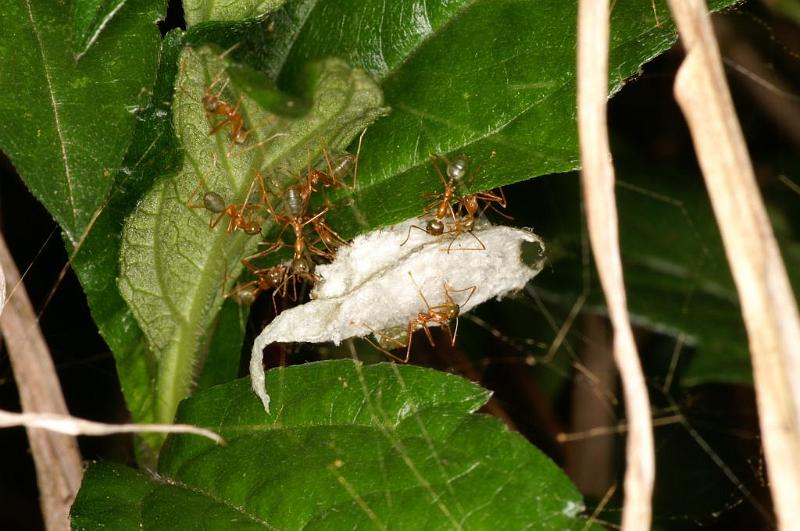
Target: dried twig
[57,458]
[597,180]
[2,289]
[75,426]
[768,307]
[590,461]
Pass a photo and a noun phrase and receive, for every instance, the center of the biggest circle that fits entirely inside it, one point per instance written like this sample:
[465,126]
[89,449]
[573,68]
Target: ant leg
[191,197]
[247,261]
[257,144]
[471,289]
[219,126]
[409,233]
[419,290]
[438,169]
[481,248]
[384,351]
[315,217]
[214,223]
[454,334]
[355,162]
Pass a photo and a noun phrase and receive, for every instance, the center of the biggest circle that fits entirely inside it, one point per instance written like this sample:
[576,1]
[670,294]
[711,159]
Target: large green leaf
[174,267]
[381,446]
[66,124]
[462,76]
[676,274]
[152,152]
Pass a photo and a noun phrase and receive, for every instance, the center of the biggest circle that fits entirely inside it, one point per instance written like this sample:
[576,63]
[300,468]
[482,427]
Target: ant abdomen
[295,204]
[213,202]
[457,169]
[435,227]
[341,165]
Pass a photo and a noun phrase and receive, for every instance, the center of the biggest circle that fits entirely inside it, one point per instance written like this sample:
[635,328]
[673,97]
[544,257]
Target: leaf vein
[56,116]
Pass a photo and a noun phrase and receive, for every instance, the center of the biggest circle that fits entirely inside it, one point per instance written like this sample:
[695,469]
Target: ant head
[252,229]
[238,137]
[302,267]
[275,276]
[210,102]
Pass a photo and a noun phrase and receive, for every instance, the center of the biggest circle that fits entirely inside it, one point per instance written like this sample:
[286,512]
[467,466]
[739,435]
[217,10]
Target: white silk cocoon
[375,283]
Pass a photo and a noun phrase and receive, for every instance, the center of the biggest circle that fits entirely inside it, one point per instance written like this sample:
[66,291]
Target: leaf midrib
[56,117]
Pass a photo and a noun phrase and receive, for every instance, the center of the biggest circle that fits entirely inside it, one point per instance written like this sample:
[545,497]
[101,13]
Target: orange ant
[326,235]
[332,169]
[469,206]
[442,204]
[296,204]
[441,314]
[266,279]
[213,105]
[214,203]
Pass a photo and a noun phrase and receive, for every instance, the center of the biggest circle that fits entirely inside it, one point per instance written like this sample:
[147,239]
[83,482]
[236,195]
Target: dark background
[644,120]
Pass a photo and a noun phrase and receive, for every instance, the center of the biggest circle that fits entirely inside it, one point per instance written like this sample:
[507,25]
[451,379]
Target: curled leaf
[174,269]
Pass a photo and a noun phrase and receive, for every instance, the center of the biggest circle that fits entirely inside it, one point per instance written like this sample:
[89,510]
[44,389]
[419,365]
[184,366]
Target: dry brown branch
[590,461]
[768,307]
[57,458]
[597,180]
[76,426]
[2,289]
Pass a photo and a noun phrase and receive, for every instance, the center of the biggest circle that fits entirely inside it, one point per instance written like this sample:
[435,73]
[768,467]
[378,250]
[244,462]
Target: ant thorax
[378,286]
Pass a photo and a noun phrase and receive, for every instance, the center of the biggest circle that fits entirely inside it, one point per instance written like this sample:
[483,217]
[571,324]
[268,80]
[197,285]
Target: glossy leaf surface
[377,446]
[462,77]
[66,124]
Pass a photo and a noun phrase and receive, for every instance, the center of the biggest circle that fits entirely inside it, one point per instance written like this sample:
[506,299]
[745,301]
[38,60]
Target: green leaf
[464,76]
[66,124]
[90,19]
[224,352]
[196,11]
[153,152]
[346,446]
[789,8]
[676,274]
[174,268]
[262,90]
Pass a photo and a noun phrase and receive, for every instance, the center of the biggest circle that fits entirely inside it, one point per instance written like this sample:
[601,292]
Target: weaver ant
[468,210]
[213,105]
[333,168]
[214,203]
[441,314]
[266,279]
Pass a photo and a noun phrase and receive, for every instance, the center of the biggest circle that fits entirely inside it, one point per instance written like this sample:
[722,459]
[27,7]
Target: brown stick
[768,307]
[590,461]
[597,180]
[56,456]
